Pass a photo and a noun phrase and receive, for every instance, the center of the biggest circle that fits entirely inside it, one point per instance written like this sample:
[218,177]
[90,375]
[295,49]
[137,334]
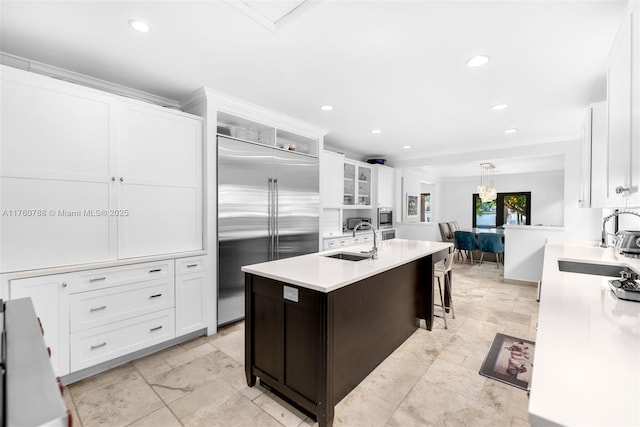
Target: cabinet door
[622,97]
[190,303]
[159,186]
[51,301]
[349,184]
[385,186]
[364,186]
[584,184]
[331,169]
[54,173]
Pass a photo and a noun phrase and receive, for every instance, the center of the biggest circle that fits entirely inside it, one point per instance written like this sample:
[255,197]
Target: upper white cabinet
[623,96]
[87,176]
[332,178]
[159,182]
[356,184]
[593,154]
[384,186]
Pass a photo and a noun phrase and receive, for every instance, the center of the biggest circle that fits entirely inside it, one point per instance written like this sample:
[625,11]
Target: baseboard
[520,282]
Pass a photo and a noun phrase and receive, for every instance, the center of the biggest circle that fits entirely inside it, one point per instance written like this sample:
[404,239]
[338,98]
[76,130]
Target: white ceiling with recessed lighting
[396,66]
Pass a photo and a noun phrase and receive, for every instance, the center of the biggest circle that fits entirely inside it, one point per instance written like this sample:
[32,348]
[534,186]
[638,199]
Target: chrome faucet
[374,250]
[603,241]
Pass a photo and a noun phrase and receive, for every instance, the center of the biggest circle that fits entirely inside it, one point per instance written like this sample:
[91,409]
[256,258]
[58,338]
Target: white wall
[547,196]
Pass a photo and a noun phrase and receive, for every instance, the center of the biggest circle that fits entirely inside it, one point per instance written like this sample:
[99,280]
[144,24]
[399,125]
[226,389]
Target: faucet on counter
[603,241]
[374,250]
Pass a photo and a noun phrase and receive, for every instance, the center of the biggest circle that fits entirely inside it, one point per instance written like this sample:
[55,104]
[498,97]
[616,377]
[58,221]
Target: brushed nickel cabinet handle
[102,307]
[155,296]
[93,347]
[157,328]
[97,279]
[157,270]
[192,265]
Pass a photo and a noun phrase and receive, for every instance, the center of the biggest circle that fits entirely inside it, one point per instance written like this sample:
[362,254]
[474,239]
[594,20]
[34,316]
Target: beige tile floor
[430,380]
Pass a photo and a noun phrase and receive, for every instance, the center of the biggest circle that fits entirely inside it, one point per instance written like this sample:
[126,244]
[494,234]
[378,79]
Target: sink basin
[593,269]
[348,256]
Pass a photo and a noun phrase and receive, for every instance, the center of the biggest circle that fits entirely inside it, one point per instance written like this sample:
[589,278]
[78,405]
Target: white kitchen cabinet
[331,179]
[384,176]
[159,182]
[87,176]
[50,297]
[593,154]
[356,184]
[623,97]
[54,163]
[191,302]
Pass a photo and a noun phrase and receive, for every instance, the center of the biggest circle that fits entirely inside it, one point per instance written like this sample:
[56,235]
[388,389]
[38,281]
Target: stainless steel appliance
[30,394]
[268,209]
[352,222]
[388,234]
[385,218]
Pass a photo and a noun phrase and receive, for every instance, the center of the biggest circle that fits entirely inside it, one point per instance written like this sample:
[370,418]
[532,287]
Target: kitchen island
[316,326]
[587,358]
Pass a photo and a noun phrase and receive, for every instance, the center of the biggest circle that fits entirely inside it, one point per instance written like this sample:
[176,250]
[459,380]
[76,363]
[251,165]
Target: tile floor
[430,380]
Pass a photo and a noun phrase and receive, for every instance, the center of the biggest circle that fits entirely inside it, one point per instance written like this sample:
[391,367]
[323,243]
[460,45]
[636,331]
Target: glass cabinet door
[349,196]
[364,185]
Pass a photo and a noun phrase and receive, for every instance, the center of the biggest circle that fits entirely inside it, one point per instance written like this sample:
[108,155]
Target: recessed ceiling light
[406,147]
[499,107]
[139,25]
[477,61]
[512,130]
[376,131]
[326,107]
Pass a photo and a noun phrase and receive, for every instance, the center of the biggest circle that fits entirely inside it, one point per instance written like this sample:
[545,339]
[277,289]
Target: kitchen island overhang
[315,326]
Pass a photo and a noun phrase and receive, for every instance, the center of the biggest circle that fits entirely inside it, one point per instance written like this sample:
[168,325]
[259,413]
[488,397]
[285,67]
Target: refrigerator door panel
[244,220]
[298,207]
[243,189]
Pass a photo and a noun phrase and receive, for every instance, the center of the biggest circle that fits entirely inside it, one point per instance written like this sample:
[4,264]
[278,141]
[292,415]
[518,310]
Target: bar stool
[442,273]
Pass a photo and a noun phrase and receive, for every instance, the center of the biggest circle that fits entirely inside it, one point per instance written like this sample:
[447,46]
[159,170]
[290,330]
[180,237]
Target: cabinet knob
[620,189]
[113,178]
[64,284]
[121,179]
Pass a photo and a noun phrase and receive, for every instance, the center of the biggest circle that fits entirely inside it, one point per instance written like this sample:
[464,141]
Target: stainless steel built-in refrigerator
[268,209]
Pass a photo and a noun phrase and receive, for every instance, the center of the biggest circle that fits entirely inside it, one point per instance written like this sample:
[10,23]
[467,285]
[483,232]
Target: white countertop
[587,359]
[320,273]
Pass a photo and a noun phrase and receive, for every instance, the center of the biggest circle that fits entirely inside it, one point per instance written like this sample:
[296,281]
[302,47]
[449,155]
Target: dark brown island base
[315,326]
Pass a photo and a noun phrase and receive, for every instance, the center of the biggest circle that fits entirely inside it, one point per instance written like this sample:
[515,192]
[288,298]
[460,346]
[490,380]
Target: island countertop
[318,272]
[587,358]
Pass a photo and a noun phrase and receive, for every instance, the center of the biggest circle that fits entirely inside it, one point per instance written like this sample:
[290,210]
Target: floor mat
[510,360]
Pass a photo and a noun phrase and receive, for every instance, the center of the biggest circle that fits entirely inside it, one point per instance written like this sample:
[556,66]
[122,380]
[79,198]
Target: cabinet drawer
[190,265]
[329,244]
[345,242]
[97,308]
[107,342]
[106,277]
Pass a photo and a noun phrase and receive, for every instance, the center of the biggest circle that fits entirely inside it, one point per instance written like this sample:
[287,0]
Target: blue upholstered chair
[492,243]
[465,241]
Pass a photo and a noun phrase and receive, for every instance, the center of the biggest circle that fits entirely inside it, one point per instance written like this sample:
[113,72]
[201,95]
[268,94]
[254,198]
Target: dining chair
[491,243]
[465,241]
[441,271]
[445,232]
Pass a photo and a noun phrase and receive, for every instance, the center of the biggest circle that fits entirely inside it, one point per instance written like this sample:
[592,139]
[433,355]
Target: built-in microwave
[385,218]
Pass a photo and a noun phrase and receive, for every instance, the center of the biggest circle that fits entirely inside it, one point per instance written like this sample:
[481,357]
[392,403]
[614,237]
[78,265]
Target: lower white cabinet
[92,316]
[50,298]
[96,345]
[191,308]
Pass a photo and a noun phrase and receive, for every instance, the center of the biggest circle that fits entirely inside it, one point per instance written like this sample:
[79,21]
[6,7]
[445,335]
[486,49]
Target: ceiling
[398,66]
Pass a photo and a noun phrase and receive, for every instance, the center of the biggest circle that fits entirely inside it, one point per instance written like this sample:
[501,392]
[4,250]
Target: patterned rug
[510,360]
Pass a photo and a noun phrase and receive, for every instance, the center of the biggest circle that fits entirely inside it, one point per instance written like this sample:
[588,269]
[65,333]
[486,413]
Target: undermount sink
[349,256]
[594,269]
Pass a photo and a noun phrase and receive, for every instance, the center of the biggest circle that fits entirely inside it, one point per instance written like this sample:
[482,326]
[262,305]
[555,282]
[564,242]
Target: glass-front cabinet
[357,185]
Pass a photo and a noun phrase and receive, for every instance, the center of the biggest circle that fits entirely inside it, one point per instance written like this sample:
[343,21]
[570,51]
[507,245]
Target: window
[425,207]
[508,208]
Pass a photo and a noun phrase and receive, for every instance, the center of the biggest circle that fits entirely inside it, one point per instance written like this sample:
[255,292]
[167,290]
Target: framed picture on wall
[412,206]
